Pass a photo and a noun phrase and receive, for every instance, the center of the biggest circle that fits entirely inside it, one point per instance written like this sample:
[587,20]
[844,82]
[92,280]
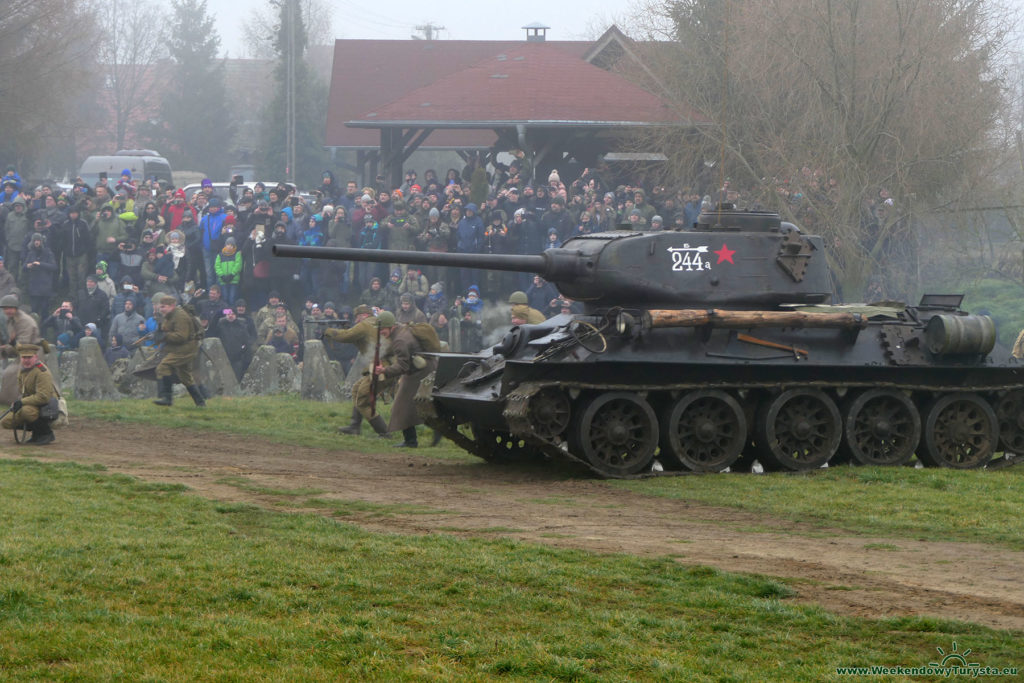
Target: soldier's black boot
[357,423]
[409,436]
[164,391]
[196,395]
[379,425]
[42,434]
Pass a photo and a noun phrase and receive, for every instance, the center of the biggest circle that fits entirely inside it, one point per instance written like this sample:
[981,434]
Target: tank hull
[705,399]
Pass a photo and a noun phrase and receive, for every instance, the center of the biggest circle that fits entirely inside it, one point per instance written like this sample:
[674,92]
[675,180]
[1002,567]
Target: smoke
[496,322]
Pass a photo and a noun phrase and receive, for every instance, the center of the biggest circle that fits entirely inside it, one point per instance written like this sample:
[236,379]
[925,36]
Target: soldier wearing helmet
[21,329]
[521,312]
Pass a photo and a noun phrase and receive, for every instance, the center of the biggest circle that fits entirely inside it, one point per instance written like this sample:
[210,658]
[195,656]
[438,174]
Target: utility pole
[289,116]
[428,30]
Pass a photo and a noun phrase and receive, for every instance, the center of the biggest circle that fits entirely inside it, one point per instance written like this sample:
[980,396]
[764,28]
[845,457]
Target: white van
[143,163]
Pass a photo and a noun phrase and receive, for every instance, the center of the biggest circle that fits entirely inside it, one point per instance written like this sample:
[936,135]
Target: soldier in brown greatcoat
[408,367]
[179,335]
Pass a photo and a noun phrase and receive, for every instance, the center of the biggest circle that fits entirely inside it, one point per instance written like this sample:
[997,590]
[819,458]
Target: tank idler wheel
[704,431]
[588,336]
[881,427]
[960,431]
[549,412]
[1010,413]
[501,447]
[617,433]
[799,429]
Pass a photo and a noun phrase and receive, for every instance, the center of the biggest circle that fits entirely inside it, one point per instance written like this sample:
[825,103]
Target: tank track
[516,414]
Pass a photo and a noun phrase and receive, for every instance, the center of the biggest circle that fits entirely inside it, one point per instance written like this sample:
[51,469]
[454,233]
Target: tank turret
[735,259]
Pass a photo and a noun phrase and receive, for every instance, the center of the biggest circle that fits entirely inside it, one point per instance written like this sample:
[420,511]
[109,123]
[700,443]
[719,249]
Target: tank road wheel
[617,433]
[704,431]
[500,447]
[882,427]
[549,413]
[960,431]
[799,429]
[1010,412]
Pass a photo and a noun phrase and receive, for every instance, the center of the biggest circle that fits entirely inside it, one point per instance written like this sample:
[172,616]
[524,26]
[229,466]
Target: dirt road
[844,572]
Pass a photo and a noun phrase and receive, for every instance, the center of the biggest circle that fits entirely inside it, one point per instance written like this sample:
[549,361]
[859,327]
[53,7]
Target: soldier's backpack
[197,325]
[426,335]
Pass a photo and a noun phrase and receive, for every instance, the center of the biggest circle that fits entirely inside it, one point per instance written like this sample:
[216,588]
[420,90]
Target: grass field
[107,578]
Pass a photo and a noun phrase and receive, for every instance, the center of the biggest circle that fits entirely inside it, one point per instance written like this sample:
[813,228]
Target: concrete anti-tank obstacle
[215,371]
[93,381]
[319,379]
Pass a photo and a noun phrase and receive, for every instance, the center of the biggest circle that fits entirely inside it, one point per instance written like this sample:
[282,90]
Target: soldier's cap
[9,301]
[385,319]
[168,300]
[27,350]
[518,297]
[362,309]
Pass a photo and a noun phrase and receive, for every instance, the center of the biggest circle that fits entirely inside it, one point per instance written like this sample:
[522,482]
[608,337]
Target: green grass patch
[109,578]
[933,504]
[284,419]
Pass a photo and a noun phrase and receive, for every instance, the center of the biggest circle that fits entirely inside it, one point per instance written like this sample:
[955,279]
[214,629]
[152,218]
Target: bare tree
[134,41]
[847,115]
[45,50]
[259,30]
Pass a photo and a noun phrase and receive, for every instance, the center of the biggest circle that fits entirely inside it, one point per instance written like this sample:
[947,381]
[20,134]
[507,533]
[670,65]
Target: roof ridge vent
[536,32]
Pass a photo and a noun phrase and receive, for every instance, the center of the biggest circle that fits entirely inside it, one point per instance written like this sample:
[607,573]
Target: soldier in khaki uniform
[21,329]
[521,312]
[363,402]
[364,336]
[180,346]
[35,386]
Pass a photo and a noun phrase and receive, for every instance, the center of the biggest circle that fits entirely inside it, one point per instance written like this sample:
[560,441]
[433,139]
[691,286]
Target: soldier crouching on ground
[179,336]
[35,385]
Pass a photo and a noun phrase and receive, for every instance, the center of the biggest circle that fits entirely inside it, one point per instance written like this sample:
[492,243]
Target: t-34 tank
[710,349]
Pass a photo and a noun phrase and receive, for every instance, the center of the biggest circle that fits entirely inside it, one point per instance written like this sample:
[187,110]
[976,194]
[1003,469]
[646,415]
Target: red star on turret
[725,254]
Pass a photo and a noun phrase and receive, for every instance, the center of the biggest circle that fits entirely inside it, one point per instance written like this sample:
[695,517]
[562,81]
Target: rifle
[374,376]
[4,414]
[141,340]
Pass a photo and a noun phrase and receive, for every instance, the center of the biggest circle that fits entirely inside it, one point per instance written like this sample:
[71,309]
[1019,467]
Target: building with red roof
[555,99]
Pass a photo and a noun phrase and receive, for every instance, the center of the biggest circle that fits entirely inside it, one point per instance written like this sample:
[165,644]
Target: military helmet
[385,319]
[518,298]
[9,301]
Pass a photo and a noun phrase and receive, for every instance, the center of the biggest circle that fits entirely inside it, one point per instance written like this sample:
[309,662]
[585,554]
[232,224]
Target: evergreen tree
[310,107]
[196,130]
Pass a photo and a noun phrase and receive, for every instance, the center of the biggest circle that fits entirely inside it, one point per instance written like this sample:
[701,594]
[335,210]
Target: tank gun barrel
[549,266]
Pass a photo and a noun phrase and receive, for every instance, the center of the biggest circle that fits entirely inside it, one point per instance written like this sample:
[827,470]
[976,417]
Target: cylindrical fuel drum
[960,334]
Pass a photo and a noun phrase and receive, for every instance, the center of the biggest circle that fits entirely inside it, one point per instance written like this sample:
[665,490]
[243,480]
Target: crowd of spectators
[91,260]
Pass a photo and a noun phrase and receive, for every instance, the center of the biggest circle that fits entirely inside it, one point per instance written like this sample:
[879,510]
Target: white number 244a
[688,261]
